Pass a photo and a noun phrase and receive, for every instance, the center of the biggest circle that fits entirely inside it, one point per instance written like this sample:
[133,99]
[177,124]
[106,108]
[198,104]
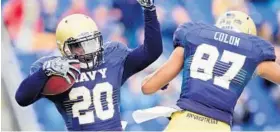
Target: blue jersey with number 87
[217,66]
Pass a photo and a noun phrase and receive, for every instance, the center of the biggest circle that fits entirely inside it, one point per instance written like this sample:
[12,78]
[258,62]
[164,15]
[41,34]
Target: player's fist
[61,67]
[148,4]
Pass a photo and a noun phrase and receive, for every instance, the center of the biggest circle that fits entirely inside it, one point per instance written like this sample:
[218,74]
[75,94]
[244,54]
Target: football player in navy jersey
[92,103]
[217,63]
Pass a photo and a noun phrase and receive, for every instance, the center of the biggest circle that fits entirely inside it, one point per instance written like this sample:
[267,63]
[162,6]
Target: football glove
[61,67]
[147,4]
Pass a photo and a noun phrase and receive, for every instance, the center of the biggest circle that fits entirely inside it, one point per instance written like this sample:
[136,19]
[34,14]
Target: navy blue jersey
[92,103]
[217,66]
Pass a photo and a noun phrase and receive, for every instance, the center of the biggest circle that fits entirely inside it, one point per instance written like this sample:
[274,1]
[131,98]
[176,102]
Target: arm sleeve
[178,37]
[144,55]
[180,34]
[30,88]
[267,51]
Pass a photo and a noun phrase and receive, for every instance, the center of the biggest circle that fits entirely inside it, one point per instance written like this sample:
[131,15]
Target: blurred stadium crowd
[31,26]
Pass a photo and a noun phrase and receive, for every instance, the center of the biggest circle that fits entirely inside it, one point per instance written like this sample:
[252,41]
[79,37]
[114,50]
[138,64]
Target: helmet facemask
[87,48]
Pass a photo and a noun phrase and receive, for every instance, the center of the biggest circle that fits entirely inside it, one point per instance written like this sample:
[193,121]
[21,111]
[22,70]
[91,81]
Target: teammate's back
[217,65]
[217,62]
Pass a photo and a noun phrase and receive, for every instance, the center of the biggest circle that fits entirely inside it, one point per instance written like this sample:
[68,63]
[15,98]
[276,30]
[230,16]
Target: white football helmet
[237,21]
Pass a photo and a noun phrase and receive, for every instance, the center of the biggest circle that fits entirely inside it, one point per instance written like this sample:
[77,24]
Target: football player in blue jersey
[217,63]
[92,103]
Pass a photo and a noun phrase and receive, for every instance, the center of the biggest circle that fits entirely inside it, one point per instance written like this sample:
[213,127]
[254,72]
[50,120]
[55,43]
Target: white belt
[151,113]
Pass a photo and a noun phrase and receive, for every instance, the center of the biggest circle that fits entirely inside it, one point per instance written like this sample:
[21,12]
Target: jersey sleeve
[30,88]
[267,52]
[180,35]
[145,54]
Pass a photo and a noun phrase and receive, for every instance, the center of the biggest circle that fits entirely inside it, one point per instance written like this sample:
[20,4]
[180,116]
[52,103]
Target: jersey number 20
[207,65]
[88,117]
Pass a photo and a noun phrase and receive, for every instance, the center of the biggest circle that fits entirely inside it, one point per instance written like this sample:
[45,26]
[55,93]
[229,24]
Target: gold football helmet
[237,21]
[79,32]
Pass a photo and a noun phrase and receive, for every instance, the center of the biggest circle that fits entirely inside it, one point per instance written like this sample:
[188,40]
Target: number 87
[207,65]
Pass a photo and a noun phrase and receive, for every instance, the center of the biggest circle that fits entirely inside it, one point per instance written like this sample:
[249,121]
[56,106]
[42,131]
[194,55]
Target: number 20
[88,117]
[208,65]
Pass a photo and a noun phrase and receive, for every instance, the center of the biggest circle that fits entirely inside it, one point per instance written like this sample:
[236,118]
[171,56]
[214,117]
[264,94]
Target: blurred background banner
[28,33]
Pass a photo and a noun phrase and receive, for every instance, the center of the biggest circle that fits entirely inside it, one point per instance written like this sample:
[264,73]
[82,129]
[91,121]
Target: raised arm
[145,54]
[164,74]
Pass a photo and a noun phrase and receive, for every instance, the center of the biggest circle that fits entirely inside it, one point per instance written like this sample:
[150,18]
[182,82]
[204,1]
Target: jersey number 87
[207,65]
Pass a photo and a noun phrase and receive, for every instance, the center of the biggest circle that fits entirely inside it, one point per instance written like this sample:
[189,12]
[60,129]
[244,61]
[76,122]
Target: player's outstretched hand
[61,67]
[147,4]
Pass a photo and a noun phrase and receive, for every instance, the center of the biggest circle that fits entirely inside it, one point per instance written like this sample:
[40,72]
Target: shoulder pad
[181,33]
[115,51]
[39,63]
